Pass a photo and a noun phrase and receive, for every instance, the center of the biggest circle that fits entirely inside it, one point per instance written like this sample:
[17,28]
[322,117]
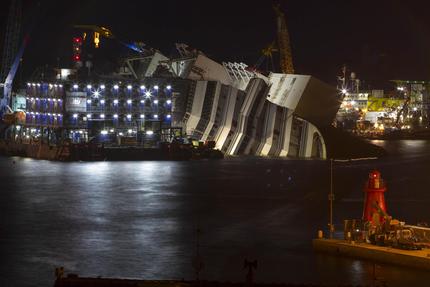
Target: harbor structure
[403,109]
[377,236]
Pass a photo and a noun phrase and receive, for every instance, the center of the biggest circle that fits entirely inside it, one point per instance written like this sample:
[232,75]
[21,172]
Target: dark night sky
[380,40]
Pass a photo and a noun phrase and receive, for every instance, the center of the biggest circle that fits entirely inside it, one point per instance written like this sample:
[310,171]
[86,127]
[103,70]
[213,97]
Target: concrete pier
[409,258]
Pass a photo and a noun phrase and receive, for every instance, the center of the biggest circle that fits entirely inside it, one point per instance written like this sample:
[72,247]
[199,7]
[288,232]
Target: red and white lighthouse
[374,196]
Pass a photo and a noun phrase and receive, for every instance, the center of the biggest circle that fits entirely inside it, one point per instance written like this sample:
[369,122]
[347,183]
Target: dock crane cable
[267,54]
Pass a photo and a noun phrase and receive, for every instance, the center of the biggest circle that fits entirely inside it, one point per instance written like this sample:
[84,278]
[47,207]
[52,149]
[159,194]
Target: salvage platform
[384,254]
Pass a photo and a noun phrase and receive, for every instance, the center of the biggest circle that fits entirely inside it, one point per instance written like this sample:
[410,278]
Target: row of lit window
[130,131]
[45,114]
[129,101]
[112,130]
[50,85]
[116,87]
[115,116]
[89,86]
[44,99]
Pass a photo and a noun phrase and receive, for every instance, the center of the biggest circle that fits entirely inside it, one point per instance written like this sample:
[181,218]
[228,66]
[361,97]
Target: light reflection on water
[403,147]
[138,219]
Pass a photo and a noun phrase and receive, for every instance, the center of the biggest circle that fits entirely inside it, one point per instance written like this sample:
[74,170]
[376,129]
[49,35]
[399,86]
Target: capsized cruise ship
[247,113]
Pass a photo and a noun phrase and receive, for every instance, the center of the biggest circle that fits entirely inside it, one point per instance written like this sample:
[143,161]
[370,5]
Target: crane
[6,112]
[12,54]
[282,45]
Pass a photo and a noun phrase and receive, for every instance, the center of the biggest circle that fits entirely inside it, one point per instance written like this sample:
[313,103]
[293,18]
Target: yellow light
[106,32]
[96,39]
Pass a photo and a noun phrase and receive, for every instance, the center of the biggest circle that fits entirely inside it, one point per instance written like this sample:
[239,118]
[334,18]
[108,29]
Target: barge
[384,254]
[68,151]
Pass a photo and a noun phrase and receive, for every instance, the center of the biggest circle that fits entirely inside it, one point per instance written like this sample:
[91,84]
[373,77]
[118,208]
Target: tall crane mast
[12,38]
[286,58]
[13,50]
[12,53]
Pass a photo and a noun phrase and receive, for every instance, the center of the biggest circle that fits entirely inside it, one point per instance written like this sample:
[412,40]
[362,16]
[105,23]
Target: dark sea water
[138,219]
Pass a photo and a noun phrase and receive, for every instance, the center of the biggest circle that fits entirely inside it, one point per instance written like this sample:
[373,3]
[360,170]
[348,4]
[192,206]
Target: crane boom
[7,87]
[286,58]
